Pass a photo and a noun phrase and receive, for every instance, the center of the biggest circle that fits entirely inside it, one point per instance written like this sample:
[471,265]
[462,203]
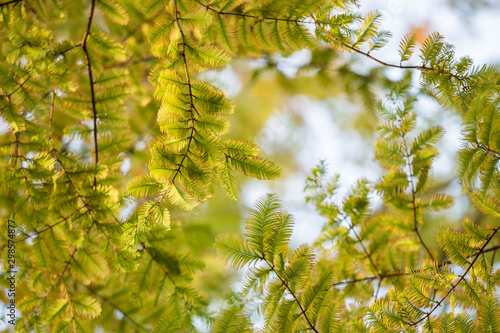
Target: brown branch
[188,79]
[371,278]
[460,279]
[56,153]
[38,232]
[91,81]
[60,276]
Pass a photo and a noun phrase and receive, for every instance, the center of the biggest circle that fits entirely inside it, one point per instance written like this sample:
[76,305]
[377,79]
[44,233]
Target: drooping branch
[55,154]
[381,62]
[192,108]
[51,226]
[188,81]
[360,241]
[61,275]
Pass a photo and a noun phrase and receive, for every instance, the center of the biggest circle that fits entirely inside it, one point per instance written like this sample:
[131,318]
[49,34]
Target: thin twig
[188,79]
[487,149]
[334,39]
[139,27]
[360,241]
[18,87]
[386,64]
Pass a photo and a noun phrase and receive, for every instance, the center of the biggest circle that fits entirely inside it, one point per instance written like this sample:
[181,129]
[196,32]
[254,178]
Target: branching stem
[493,249]
[116,307]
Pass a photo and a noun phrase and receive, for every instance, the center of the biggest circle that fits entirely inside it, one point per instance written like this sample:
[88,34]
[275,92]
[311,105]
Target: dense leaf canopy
[86,86]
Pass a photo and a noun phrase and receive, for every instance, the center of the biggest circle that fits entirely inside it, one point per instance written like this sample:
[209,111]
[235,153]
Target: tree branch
[188,79]
[91,81]
[386,64]
[169,277]
[360,241]
[493,249]
[487,149]
[334,39]
[460,279]
[13,2]
[413,198]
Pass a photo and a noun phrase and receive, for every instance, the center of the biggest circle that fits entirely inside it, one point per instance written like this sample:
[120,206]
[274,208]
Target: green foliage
[86,85]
